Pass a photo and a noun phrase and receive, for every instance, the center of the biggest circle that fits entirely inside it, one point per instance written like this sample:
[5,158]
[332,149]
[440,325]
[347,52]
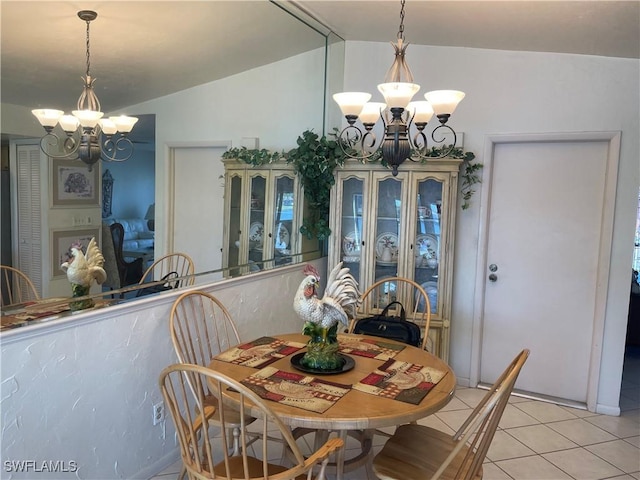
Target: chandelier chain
[88,52]
[401,29]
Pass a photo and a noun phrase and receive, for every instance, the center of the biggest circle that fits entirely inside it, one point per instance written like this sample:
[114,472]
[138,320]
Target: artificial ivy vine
[314,161]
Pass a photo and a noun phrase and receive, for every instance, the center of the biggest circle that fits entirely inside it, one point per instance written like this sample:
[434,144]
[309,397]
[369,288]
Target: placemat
[402,381]
[296,390]
[368,347]
[260,352]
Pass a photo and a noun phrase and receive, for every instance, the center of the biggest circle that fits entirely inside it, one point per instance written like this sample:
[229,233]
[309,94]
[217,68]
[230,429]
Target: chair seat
[403,456]
[254,466]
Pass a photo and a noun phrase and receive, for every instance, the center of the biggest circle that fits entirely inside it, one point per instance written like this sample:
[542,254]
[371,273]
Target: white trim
[604,257]
[607,410]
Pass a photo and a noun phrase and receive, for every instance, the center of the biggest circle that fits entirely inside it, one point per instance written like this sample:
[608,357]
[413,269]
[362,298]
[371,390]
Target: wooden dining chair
[417,452]
[384,291]
[16,287]
[176,265]
[205,456]
[201,328]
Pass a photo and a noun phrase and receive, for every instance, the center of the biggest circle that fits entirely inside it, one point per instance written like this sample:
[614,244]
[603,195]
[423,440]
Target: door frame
[604,254]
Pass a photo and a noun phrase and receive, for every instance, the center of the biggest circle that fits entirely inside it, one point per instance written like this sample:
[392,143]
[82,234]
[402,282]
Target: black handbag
[169,282]
[389,326]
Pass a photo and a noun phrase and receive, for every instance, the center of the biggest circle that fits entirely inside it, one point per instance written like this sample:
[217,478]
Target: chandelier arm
[111,148]
[419,144]
[70,146]
[445,151]
[350,137]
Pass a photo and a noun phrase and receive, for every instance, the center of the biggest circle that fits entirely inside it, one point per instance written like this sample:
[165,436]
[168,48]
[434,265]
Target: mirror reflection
[32,310]
[153,227]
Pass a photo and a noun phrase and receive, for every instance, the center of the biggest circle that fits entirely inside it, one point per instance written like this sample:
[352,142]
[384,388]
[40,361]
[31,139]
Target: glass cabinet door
[428,238]
[258,192]
[387,235]
[235,223]
[351,225]
[283,219]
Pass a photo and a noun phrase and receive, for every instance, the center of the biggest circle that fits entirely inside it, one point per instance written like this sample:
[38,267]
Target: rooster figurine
[322,315]
[82,269]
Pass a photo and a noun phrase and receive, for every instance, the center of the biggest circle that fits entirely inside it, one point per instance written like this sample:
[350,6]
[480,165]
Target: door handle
[493,277]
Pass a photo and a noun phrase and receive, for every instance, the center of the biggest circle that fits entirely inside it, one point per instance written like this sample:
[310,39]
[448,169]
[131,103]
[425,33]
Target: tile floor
[538,440]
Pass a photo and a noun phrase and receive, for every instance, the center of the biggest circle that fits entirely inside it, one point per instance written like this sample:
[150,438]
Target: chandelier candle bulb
[123,123]
[108,126]
[398,94]
[69,123]
[351,103]
[371,112]
[421,111]
[444,101]
[47,117]
[88,118]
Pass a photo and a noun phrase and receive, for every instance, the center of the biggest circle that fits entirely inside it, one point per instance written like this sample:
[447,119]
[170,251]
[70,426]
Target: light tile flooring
[538,440]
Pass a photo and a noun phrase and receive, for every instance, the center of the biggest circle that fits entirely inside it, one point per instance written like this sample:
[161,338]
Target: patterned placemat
[260,352]
[296,390]
[402,381]
[368,347]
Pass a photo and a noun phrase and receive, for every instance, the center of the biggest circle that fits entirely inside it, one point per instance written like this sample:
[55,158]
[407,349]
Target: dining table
[382,384]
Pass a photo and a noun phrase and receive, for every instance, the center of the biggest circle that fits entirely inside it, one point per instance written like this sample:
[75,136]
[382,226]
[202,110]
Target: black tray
[348,364]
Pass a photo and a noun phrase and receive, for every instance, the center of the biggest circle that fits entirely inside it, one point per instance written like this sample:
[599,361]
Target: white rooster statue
[322,315]
[82,269]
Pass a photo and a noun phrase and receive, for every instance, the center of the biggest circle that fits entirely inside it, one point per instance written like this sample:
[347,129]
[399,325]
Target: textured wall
[81,389]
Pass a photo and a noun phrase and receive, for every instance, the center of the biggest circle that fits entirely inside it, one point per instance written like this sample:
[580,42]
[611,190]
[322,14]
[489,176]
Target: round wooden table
[357,410]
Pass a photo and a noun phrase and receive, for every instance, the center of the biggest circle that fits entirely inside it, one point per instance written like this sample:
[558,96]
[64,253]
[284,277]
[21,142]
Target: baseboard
[607,410]
[160,466]
[542,398]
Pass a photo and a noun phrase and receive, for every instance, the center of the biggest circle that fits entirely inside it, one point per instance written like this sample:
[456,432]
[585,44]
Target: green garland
[314,161]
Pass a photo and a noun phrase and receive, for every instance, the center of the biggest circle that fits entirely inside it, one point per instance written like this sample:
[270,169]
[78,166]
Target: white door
[548,224]
[197,207]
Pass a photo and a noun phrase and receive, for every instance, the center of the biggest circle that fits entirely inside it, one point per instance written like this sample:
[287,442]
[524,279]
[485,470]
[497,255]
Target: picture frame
[61,241]
[73,184]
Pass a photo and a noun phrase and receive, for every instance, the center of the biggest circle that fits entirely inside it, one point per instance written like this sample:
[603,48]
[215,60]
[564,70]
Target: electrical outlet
[158,413]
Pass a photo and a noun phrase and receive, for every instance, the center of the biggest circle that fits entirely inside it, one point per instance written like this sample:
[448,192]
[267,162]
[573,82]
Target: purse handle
[403,315]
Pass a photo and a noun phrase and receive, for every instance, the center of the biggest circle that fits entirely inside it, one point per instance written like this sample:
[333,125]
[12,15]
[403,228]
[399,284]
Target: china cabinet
[263,214]
[386,226]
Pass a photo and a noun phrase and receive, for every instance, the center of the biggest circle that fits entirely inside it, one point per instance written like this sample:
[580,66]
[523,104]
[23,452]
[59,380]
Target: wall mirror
[320,38]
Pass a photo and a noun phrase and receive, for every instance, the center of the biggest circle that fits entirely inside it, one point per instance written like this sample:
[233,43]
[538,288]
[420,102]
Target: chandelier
[89,137]
[398,144]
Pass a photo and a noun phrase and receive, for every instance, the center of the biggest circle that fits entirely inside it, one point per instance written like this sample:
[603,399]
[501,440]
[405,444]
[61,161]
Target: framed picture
[73,184]
[61,246]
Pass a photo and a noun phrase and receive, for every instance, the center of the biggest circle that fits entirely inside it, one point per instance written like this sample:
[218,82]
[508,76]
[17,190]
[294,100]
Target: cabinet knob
[270,235]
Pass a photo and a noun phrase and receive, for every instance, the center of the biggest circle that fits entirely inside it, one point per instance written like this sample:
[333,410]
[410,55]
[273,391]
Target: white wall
[274,103]
[527,92]
[83,388]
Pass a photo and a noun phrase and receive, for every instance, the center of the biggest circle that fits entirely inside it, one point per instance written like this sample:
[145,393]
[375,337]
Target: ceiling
[142,50]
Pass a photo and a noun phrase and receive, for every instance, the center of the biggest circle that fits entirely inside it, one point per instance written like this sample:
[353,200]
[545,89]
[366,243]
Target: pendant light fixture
[89,137]
[398,91]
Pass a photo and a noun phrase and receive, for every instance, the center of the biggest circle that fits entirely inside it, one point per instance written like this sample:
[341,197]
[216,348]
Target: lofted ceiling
[146,49]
